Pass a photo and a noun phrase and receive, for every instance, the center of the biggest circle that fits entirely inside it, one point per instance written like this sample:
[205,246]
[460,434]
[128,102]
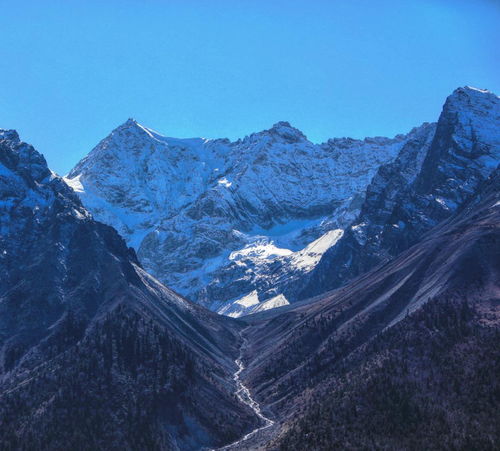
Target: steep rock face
[94,352]
[421,188]
[215,219]
[383,361]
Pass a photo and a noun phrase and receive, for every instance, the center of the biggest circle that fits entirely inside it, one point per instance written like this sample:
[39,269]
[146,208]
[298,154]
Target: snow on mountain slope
[424,186]
[209,217]
[268,268]
[250,304]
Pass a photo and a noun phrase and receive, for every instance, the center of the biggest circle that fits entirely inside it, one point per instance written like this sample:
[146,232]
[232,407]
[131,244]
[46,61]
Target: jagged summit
[11,135]
[132,126]
[482,95]
[472,89]
[129,124]
[286,131]
[285,124]
[471,100]
[131,121]
[349,143]
[20,164]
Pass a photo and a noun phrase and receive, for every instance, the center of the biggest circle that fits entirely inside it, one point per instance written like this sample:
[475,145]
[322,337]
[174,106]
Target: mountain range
[226,224]
[362,278]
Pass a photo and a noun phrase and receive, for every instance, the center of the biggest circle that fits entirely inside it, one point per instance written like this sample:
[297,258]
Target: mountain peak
[131,121]
[22,158]
[471,94]
[475,107]
[474,90]
[133,128]
[282,124]
[11,135]
[285,130]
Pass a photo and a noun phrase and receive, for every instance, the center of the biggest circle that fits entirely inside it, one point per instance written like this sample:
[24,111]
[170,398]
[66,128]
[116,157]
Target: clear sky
[71,71]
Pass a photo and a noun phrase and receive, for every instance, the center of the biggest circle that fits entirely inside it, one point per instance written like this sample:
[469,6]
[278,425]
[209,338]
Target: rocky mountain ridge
[218,220]
[94,352]
[421,188]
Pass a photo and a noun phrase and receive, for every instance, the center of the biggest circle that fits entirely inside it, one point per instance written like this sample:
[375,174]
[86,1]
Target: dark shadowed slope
[422,187]
[404,357]
[95,353]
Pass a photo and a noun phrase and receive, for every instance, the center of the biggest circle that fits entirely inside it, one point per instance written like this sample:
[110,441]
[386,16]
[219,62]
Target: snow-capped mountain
[422,187]
[94,350]
[230,222]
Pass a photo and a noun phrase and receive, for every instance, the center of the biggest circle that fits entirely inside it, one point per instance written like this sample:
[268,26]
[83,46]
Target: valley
[352,310]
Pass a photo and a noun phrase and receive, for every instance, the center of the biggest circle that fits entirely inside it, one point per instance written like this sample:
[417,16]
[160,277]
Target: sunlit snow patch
[250,304]
[239,307]
[224,182]
[277,301]
[75,184]
[261,250]
[309,257]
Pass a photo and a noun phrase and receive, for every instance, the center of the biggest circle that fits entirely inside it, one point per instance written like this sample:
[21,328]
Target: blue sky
[71,71]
